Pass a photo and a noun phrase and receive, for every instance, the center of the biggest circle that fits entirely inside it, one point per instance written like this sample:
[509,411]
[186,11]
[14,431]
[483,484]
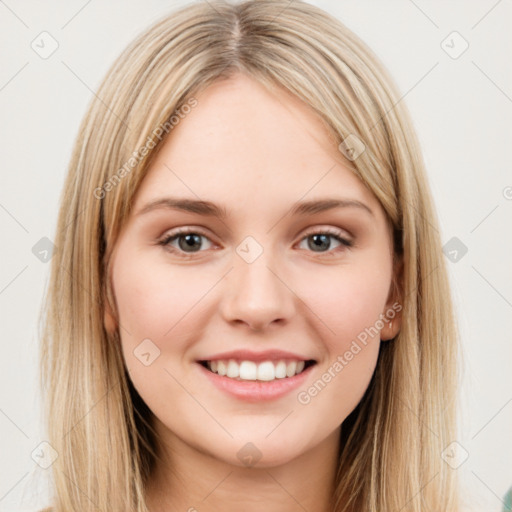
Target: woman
[249,306]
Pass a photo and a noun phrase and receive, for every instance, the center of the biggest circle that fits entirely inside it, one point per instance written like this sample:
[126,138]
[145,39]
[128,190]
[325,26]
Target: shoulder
[507,500]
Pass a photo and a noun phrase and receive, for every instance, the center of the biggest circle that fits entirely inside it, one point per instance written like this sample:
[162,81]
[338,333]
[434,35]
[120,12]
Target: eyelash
[345,244]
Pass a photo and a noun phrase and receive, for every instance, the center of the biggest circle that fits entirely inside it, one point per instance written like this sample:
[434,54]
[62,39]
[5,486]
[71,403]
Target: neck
[185,479]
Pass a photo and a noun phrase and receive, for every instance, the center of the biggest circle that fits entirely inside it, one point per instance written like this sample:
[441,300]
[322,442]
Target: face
[285,297]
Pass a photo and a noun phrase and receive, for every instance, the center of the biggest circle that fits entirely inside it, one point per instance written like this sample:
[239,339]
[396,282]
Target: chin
[259,451]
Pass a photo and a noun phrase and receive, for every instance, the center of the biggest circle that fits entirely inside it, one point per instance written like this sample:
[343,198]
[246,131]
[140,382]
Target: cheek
[157,301]
[348,302]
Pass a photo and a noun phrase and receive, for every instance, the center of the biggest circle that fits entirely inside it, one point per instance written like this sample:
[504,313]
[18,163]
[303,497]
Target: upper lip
[249,355]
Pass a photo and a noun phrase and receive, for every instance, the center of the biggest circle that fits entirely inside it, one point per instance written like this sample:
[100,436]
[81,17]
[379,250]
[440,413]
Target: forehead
[245,146]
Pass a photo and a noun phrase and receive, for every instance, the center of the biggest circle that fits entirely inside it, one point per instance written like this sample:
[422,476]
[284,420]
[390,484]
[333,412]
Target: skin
[256,154]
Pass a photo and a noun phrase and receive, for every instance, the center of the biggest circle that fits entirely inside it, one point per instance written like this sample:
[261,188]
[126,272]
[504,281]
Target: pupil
[190,239]
[323,243]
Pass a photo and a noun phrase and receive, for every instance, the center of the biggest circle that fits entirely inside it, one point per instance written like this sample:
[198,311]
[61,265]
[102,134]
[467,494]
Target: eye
[186,238]
[320,240]
[189,241]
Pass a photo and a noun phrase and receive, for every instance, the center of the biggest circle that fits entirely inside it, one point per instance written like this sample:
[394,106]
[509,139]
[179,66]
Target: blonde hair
[392,442]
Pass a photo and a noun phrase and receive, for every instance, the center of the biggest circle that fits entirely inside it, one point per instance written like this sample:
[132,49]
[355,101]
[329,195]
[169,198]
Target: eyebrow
[210,209]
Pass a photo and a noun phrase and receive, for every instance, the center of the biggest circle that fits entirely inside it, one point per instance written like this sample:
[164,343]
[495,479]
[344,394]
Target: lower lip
[255,391]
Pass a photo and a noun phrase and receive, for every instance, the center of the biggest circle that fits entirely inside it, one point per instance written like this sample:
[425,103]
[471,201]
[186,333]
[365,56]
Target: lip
[248,355]
[256,391]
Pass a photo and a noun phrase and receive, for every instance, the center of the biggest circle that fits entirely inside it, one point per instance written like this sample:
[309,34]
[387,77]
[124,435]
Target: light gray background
[462,109]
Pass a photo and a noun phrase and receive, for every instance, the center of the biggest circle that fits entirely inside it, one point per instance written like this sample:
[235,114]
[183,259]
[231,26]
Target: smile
[257,371]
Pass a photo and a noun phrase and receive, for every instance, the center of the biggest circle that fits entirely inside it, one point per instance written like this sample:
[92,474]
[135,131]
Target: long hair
[392,443]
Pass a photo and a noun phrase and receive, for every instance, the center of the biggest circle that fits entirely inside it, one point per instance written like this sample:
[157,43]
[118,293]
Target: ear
[109,319]
[392,314]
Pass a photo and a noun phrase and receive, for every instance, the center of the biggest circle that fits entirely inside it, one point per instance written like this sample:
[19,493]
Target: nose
[256,295]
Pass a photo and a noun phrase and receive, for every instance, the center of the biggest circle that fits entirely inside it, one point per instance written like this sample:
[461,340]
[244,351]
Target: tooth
[290,369]
[232,369]
[221,368]
[280,370]
[266,371]
[248,370]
